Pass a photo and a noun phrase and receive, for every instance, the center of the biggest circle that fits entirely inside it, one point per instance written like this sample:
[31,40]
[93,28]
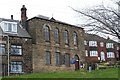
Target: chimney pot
[12,17]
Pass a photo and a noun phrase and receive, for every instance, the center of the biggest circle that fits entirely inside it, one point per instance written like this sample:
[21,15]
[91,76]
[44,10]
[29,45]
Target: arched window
[66,37]
[47,33]
[75,38]
[56,35]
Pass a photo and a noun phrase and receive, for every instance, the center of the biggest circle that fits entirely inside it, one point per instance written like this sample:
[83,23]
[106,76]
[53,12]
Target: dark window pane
[15,49]
[2,49]
[47,33]
[48,58]
[56,35]
[16,67]
[57,58]
[67,59]
[75,38]
[66,37]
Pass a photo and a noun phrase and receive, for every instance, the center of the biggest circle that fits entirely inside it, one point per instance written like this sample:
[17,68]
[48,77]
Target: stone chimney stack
[23,16]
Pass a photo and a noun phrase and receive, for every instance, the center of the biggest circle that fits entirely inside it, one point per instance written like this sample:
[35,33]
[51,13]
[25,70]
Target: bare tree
[102,19]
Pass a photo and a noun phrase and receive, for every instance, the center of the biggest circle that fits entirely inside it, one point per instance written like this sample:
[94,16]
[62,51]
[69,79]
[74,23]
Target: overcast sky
[59,9]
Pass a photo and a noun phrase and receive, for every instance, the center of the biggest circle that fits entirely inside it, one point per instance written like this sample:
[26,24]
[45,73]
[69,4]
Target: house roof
[21,32]
[91,37]
[52,20]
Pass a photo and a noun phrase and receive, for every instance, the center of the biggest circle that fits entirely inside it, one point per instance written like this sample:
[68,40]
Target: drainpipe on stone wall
[8,53]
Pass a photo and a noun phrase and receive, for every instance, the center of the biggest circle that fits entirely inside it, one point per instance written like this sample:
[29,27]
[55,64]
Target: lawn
[105,73]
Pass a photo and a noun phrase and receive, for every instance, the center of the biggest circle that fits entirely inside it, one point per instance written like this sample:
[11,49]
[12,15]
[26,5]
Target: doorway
[102,56]
[77,66]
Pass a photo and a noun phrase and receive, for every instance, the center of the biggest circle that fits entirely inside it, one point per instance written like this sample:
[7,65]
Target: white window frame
[16,49]
[94,53]
[5,27]
[109,45]
[16,67]
[110,55]
[2,49]
[93,43]
[117,48]
[101,44]
[86,52]
[85,42]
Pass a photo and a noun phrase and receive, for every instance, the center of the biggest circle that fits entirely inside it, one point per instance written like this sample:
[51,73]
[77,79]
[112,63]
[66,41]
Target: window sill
[15,55]
[57,44]
[11,32]
[48,64]
[66,45]
[16,72]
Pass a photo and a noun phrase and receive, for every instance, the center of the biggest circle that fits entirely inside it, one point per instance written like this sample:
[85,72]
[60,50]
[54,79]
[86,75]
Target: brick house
[15,48]
[98,49]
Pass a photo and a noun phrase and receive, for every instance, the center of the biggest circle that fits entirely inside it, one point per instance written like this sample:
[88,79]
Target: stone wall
[35,29]
[25,58]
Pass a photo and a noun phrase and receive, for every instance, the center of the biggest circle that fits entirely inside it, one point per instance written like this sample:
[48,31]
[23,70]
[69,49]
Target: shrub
[119,62]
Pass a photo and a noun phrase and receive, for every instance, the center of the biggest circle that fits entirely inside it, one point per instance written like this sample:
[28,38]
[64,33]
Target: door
[77,66]
[102,56]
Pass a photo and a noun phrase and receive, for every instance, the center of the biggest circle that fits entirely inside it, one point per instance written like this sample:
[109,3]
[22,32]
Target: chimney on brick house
[23,16]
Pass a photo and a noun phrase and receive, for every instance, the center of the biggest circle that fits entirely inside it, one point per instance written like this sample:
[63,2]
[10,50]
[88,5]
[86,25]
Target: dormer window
[109,45]
[9,27]
[93,43]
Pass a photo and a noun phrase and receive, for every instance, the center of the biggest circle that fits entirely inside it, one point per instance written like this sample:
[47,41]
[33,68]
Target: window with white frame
[109,45]
[16,49]
[2,49]
[110,55]
[9,27]
[16,67]
[101,44]
[93,53]
[85,42]
[93,43]
[86,52]
[117,48]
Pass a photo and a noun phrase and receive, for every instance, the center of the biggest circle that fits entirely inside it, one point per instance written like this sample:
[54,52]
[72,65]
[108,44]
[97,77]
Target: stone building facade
[56,45]
[19,55]
[39,44]
[15,48]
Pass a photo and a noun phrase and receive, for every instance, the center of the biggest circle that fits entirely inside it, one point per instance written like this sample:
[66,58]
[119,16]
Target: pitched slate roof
[52,20]
[93,37]
[21,32]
